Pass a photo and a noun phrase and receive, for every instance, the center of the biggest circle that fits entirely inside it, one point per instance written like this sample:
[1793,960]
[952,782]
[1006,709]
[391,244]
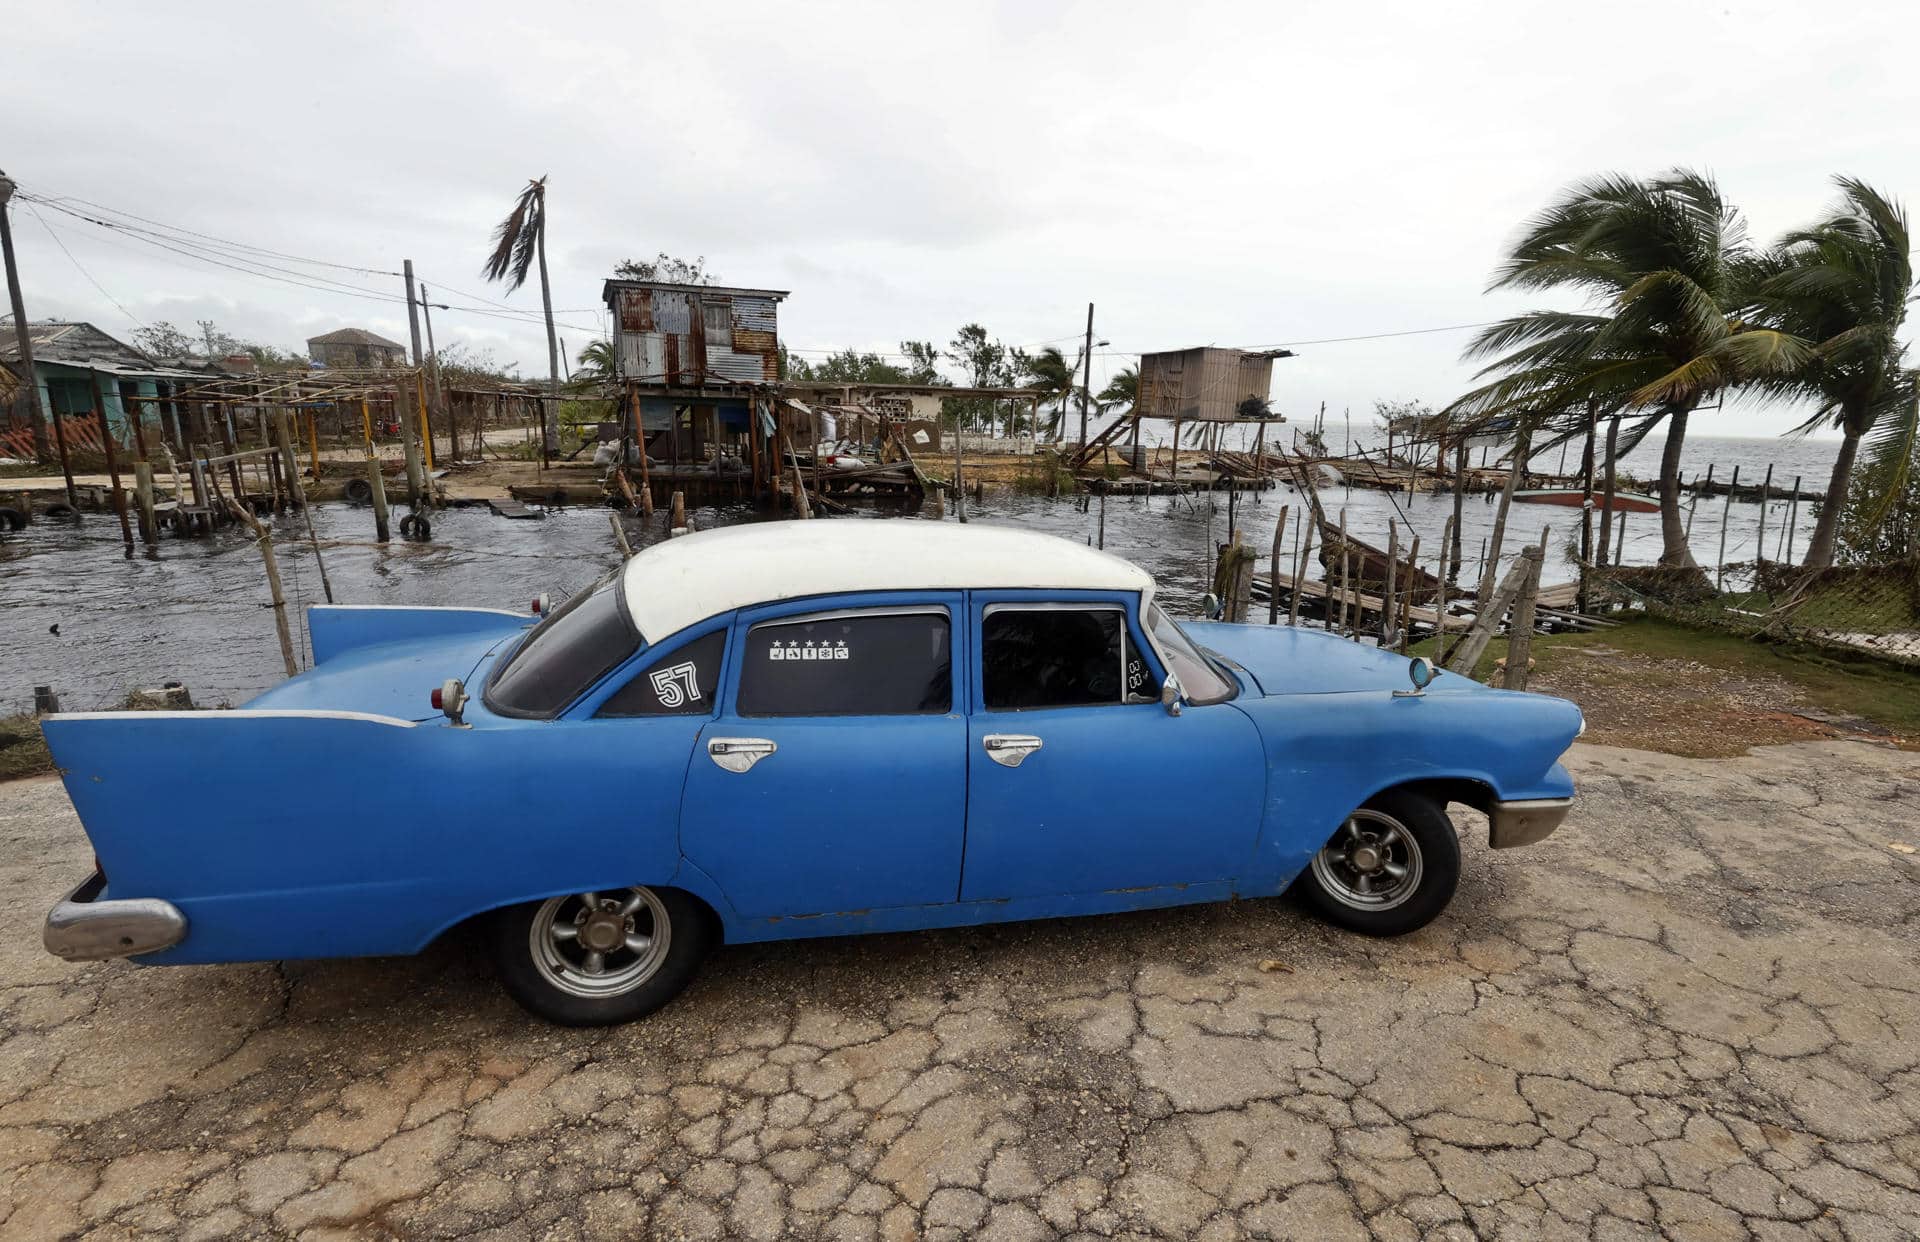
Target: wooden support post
[1487,620]
[1303,540]
[1273,569]
[1726,520]
[677,512]
[1522,449]
[1793,517]
[620,535]
[113,464]
[426,421]
[265,539]
[289,464]
[409,444]
[143,497]
[1760,541]
[1520,634]
[378,483]
[1450,573]
[1406,596]
[1388,600]
[313,444]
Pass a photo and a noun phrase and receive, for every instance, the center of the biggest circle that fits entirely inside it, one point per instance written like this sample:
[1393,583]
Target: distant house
[355,349]
[70,358]
[1206,384]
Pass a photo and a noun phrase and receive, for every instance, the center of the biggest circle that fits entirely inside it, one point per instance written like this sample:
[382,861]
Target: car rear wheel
[599,958]
[1389,869]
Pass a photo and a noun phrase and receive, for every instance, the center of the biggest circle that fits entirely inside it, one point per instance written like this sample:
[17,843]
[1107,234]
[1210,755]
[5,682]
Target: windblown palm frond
[516,240]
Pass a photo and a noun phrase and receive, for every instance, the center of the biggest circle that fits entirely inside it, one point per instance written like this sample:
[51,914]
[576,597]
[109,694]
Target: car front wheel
[1391,868]
[600,958]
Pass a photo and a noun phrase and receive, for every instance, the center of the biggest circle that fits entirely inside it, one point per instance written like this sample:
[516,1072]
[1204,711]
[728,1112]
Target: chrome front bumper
[1522,823]
[82,929]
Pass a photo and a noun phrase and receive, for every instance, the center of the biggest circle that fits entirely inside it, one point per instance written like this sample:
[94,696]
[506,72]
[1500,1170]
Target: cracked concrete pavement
[1692,1014]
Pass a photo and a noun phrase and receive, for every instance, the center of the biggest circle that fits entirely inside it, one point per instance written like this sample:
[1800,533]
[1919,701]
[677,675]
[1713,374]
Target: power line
[1380,336]
[174,228]
[82,270]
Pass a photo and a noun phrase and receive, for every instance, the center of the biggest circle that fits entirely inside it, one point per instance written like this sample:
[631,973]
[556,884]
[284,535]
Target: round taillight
[536,604]
[437,701]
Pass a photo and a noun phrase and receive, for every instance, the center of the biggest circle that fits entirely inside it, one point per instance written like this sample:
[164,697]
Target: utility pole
[433,376]
[413,312]
[22,337]
[1086,381]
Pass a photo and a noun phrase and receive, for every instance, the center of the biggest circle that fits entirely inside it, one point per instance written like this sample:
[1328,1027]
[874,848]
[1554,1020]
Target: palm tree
[1123,390]
[1050,372]
[1666,266]
[1843,285]
[595,364]
[518,242]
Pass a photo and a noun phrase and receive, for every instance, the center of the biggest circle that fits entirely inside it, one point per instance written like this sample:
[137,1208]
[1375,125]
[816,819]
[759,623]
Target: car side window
[891,663]
[680,683]
[1057,657]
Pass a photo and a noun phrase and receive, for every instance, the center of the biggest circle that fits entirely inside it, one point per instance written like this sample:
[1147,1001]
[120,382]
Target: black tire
[1397,828]
[359,491]
[552,983]
[12,519]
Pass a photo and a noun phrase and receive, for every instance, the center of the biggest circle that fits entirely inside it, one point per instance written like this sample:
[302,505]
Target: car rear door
[834,778]
[1079,781]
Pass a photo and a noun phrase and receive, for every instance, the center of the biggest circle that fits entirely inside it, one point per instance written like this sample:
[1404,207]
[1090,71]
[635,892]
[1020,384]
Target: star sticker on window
[809,642]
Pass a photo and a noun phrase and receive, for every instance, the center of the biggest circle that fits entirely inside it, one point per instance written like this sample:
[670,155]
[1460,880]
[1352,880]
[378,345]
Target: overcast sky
[1241,175]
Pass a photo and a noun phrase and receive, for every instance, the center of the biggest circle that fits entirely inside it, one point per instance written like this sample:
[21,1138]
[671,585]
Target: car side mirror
[1210,607]
[1421,672]
[1170,695]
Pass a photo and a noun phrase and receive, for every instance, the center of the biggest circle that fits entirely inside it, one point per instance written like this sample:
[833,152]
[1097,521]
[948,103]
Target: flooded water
[92,624]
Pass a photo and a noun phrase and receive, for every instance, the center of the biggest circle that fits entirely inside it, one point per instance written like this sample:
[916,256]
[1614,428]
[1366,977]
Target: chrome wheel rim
[600,944]
[1372,863]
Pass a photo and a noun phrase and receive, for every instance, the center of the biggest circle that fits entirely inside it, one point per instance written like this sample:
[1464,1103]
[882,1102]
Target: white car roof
[671,585]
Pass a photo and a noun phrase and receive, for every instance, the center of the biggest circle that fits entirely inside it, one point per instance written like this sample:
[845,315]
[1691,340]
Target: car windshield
[579,643]
[1200,681]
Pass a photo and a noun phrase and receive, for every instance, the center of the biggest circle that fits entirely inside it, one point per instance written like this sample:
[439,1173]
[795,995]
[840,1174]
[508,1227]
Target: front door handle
[737,754]
[1008,749]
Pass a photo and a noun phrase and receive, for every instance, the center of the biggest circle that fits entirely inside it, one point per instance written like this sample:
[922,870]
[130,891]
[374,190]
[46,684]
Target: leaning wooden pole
[1522,450]
[264,538]
[1273,570]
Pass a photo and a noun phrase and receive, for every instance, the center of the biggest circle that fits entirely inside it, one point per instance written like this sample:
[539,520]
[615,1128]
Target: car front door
[834,778]
[1079,781]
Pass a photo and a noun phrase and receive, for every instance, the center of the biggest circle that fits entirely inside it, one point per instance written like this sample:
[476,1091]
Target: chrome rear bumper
[1510,824]
[82,929]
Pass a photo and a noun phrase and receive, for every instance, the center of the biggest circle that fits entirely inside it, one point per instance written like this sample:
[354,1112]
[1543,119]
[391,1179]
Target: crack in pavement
[1688,1014]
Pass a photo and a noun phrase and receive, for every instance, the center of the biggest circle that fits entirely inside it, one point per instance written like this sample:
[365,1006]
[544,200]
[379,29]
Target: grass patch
[1659,685]
[23,752]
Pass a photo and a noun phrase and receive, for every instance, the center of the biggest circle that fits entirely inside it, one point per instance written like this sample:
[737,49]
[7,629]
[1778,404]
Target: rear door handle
[1008,749]
[737,754]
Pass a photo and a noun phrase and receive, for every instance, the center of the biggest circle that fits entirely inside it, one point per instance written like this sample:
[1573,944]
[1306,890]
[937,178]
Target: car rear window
[849,664]
[585,639]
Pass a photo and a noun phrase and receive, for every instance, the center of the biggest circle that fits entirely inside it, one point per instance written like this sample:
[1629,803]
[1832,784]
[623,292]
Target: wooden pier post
[1488,617]
[381,529]
[1451,551]
[289,464]
[1793,517]
[143,497]
[620,535]
[1389,613]
[1726,519]
[1273,571]
[1522,449]
[1586,501]
[1303,539]
[1347,602]
[1520,633]
[1760,540]
[403,412]
[113,465]
[264,538]
[1406,597]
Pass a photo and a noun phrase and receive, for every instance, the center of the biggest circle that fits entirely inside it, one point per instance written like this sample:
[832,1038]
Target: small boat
[1573,498]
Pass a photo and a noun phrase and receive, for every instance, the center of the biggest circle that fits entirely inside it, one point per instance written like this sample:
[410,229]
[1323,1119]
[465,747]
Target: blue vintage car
[786,730]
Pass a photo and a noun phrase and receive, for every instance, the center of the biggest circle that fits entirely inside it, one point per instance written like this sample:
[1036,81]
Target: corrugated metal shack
[1205,384]
[695,335]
